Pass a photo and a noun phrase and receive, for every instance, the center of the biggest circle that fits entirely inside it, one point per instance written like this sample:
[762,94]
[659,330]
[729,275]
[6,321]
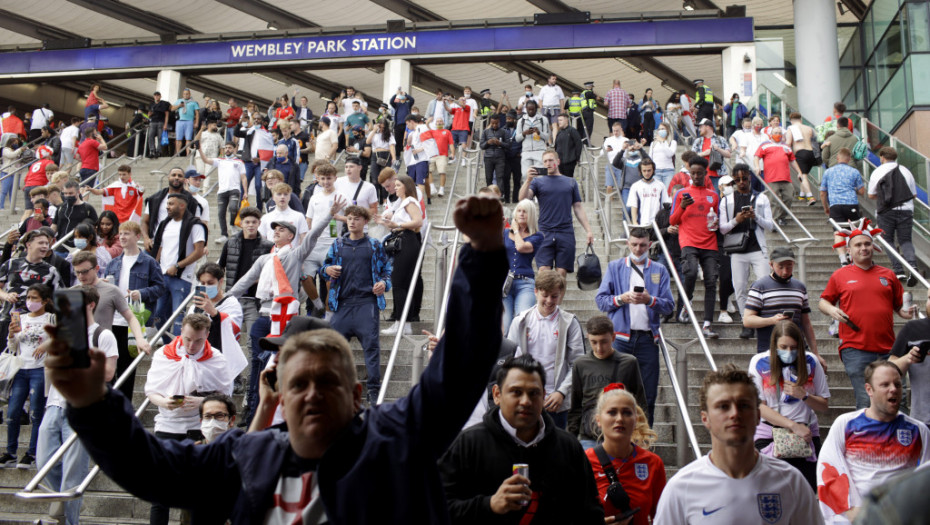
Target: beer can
[521,469]
[908,301]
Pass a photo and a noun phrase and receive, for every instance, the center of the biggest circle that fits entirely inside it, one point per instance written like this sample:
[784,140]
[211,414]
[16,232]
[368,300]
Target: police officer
[587,109]
[574,106]
[486,105]
[704,101]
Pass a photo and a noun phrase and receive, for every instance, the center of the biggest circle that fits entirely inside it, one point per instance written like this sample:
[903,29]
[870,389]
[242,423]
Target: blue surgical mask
[80,244]
[281,159]
[529,93]
[641,259]
[787,356]
[663,133]
[193,189]
[212,291]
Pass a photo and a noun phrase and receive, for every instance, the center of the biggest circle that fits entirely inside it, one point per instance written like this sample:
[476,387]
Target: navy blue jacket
[382,469]
[144,276]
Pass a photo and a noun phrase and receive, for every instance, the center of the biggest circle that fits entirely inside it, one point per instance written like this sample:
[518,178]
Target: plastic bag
[164,138]
[243,204]
[142,315]
[10,363]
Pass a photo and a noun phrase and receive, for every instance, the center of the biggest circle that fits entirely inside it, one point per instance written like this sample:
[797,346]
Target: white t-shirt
[163,210]
[170,242]
[647,197]
[123,284]
[204,208]
[366,197]
[107,346]
[616,145]
[792,408]
[774,493]
[229,173]
[524,99]
[318,210]
[68,136]
[473,104]
[326,143]
[30,337]
[879,173]
[401,215]
[663,153]
[40,118]
[347,105]
[292,216]
[639,314]
[377,142]
[551,96]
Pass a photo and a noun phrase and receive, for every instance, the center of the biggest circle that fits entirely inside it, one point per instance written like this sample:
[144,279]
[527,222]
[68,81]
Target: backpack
[860,150]
[893,190]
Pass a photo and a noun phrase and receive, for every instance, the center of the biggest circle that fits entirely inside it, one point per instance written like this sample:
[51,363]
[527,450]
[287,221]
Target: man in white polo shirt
[550,99]
[230,182]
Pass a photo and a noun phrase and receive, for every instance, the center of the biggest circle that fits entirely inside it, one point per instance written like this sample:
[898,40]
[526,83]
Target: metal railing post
[681,363]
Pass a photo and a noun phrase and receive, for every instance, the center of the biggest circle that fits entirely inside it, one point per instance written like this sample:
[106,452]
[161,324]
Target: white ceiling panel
[8,37]
[341,13]
[90,24]
[208,17]
[478,9]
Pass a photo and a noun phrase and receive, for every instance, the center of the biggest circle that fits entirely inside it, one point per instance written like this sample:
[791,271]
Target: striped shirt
[770,296]
[618,103]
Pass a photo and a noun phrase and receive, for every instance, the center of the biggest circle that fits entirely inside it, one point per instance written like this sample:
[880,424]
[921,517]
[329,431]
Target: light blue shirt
[187,111]
[841,182]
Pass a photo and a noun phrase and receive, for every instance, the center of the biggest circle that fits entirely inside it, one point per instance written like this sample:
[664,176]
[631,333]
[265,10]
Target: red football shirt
[443,138]
[777,159]
[870,298]
[682,177]
[36,175]
[89,150]
[692,222]
[460,118]
[642,476]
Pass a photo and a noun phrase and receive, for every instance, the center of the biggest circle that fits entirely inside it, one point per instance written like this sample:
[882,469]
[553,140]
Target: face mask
[80,244]
[212,291]
[212,429]
[787,356]
[38,213]
[663,133]
[511,124]
[193,189]
[736,100]
[70,200]
[414,112]
[33,306]
[757,128]
[529,94]
[280,160]
[727,190]
[639,260]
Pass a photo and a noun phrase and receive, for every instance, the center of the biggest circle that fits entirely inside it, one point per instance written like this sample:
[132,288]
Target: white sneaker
[221,239]
[732,307]
[391,330]
[408,329]
[442,191]
[432,189]
[724,318]
[328,316]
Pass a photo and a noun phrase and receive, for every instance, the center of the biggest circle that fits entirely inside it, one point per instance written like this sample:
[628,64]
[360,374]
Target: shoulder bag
[738,242]
[787,444]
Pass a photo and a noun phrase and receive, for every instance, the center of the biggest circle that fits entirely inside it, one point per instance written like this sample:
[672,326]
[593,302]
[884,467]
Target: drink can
[521,469]
[907,298]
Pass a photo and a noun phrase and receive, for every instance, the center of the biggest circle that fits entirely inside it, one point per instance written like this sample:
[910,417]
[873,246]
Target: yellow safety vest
[708,95]
[575,104]
[591,103]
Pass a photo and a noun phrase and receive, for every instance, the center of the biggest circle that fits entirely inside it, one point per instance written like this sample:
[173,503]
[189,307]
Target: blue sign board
[387,45]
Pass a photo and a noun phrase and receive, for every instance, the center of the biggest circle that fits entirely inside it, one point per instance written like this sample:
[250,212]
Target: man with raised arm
[351,466]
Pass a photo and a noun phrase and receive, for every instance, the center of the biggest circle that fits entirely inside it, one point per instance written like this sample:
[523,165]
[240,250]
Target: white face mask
[727,190]
[211,429]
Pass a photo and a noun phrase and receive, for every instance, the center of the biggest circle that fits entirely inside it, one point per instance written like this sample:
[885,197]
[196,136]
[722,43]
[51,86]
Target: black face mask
[70,200]
[511,124]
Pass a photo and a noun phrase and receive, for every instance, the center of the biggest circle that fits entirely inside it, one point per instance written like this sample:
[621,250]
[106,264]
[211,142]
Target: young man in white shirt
[733,483]
[614,145]
[178,245]
[354,190]
[326,140]
[230,183]
[55,429]
[550,100]
[281,193]
[194,184]
[896,219]
[318,210]
[647,195]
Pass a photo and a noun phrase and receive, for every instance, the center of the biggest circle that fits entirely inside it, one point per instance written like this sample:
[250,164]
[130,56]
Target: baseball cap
[781,254]
[284,224]
[191,172]
[706,122]
[296,325]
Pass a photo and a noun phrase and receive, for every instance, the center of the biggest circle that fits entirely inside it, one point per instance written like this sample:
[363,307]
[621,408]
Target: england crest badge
[883,281]
[641,470]
[905,436]
[770,507]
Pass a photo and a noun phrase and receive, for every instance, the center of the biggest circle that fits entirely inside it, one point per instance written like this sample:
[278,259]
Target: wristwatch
[805,397]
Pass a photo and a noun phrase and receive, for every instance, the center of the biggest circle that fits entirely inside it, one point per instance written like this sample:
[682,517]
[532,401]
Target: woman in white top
[790,395]
[662,151]
[382,141]
[405,224]
[27,333]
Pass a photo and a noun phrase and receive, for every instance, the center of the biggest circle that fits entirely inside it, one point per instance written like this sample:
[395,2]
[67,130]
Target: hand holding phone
[72,325]
[922,346]
[639,289]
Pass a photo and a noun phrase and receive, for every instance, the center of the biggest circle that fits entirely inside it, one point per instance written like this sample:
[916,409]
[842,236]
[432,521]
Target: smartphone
[504,92]
[639,289]
[177,398]
[199,289]
[625,515]
[72,325]
[923,345]
[851,324]
[788,313]
[747,208]
[543,171]
[686,196]
[271,377]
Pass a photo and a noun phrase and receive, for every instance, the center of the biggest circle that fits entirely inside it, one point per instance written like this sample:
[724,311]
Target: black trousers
[124,360]
[404,263]
[568,168]
[693,258]
[496,165]
[158,514]
[513,171]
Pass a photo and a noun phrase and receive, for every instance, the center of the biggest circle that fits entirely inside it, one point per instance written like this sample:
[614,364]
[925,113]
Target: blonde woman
[627,438]
[662,151]
[521,240]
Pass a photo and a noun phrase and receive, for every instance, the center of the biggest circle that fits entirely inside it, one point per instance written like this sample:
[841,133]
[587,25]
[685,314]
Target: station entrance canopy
[661,37]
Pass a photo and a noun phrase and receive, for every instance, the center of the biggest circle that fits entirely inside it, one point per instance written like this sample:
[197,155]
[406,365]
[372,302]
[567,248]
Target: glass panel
[770,53]
[919,71]
[888,56]
[852,50]
[851,81]
[869,34]
[783,86]
[883,13]
[893,101]
[918,27]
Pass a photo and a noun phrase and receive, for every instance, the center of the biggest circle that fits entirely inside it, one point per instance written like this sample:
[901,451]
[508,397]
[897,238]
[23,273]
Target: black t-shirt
[304,139]
[911,332]
[740,200]
[68,217]
[158,109]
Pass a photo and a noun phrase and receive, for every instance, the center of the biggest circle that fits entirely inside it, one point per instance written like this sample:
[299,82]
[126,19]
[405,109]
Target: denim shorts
[184,130]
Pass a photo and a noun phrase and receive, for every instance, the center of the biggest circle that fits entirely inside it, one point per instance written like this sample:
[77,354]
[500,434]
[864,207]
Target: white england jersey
[774,493]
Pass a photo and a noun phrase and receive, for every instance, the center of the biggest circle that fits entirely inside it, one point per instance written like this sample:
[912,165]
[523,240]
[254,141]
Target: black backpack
[893,190]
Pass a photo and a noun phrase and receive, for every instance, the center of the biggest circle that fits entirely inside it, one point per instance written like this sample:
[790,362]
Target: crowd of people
[526,413]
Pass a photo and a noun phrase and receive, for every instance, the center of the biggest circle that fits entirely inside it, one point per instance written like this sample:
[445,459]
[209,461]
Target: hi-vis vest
[588,103]
[575,104]
[486,108]
[708,96]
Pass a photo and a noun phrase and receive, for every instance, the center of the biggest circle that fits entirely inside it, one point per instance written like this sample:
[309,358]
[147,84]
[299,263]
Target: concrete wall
[915,131]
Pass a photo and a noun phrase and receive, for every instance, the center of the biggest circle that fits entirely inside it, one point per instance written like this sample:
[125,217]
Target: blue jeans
[613,177]
[29,381]
[260,328]
[665,176]
[168,303]
[6,190]
[303,171]
[520,298]
[254,171]
[68,473]
[643,348]
[855,362]
[230,132]
[361,320]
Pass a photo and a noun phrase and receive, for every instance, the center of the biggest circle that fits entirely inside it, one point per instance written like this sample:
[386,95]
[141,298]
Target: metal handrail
[27,492]
[447,287]
[455,175]
[685,301]
[403,316]
[681,398]
[177,154]
[889,249]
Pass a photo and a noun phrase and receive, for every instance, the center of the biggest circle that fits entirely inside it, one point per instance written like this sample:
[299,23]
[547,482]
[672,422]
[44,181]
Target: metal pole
[681,373]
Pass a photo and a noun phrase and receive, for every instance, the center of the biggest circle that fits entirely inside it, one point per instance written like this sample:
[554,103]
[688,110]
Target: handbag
[383,161]
[10,363]
[508,283]
[393,244]
[787,444]
[738,242]
[715,160]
